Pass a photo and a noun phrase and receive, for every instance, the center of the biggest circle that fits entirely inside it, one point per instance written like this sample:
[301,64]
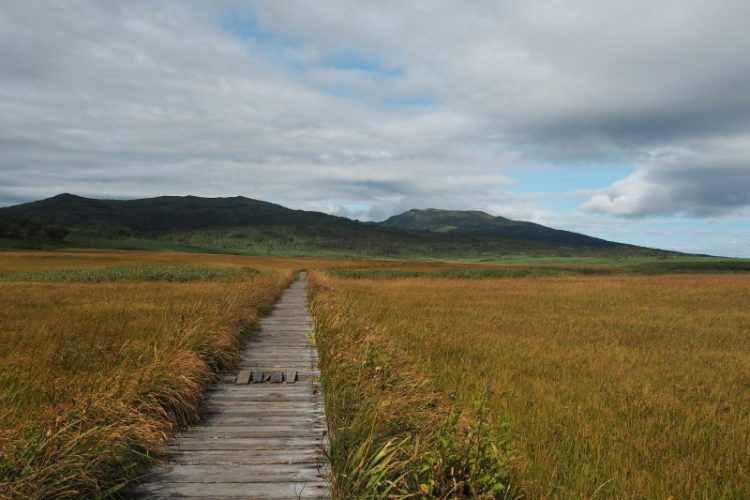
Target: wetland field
[442,380]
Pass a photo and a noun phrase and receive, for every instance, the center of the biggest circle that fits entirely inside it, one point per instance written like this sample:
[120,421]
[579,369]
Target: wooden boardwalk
[263,431]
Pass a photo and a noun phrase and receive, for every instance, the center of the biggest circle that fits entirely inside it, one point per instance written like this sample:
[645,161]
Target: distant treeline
[106,231]
[35,230]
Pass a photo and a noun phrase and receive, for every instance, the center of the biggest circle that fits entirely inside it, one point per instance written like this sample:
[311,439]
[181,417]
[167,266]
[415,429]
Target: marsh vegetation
[618,386]
[442,380]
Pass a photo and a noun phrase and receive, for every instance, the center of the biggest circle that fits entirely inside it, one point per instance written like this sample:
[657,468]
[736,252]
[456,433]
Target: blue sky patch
[408,101]
[566,179]
[342,93]
[246,26]
[561,205]
[359,61]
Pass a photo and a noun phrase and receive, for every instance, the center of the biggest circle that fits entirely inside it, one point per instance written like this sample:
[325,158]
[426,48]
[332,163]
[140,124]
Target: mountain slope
[482,224]
[168,213]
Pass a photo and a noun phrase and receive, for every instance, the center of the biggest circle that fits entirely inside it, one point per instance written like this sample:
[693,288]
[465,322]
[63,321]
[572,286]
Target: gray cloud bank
[139,98]
[709,180]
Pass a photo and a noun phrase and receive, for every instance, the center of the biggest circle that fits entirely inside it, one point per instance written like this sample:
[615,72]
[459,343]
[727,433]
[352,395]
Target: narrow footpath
[263,430]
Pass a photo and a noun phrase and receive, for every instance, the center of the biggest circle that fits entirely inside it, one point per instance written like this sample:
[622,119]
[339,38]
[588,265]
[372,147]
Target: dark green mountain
[482,224]
[169,213]
[243,225]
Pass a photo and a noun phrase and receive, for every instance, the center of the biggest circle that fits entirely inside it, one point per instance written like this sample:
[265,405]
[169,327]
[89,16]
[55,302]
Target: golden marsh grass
[392,434]
[619,386]
[612,387]
[94,377]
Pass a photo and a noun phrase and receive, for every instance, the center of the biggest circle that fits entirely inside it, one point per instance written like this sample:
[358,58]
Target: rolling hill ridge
[243,225]
[483,224]
[168,213]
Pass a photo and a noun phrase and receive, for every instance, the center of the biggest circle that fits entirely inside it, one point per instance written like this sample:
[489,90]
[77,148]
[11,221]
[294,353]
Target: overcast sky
[623,120]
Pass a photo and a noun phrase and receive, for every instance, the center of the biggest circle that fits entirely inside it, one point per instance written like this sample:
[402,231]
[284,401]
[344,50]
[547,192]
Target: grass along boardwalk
[263,431]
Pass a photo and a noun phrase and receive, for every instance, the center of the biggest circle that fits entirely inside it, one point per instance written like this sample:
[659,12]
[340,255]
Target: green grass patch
[708,266]
[693,267]
[594,260]
[466,273]
[77,240]
[133,273]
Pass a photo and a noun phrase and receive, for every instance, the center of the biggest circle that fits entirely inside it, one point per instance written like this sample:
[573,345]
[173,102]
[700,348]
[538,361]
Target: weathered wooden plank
[244,419]
[272,363]
[262,394]
[240,417]
[283,350]
[286,318]
[283,432]
[301,365]
[263,408]
[291,351]
[233,420]
[239,473]
[304,373]
[280,328]
[319,427]
[235,490]
[294,356]
[255,408]
[250,445]
[303,369]
[270,343]
[243,378]
[258,392]
[260,401]
[303,405]
[186,440]
[290,356]
[239,457]
[269,414]
[287,325]
[202,497]
[255,391]
[268,451]
[222,389]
